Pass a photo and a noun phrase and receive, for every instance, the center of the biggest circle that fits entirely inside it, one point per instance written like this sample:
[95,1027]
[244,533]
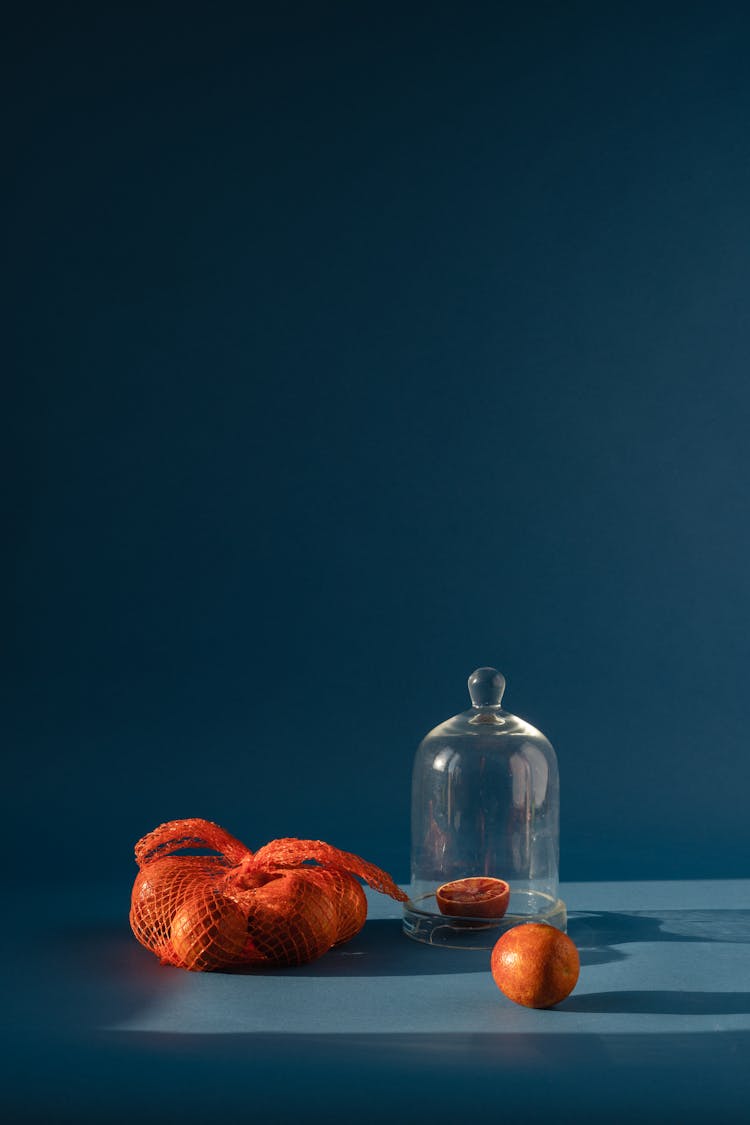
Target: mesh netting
[209,931]
[285,905]
[291,920]
[348,897]
[292,853]
[194,833]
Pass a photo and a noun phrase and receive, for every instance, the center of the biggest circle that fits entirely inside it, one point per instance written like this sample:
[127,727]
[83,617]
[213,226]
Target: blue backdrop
[353,347]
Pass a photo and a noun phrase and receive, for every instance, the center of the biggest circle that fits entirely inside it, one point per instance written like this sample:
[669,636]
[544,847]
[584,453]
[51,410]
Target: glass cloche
[485,825]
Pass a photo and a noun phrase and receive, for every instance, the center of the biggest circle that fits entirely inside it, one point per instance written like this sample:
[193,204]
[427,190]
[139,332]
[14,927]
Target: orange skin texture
[477,897]
[535,965]
[161,889]
[348,897]
[209,932]
[290,920]
[285,905]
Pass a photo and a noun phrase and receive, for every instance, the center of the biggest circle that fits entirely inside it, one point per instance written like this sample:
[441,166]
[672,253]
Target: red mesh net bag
[284,905]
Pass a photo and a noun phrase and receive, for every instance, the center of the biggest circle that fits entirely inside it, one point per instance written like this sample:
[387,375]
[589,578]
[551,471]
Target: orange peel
[535,965]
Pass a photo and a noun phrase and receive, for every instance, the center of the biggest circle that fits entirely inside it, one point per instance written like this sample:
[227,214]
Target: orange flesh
[478,897]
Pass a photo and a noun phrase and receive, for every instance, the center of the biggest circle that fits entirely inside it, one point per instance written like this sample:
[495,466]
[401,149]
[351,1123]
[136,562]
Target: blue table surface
[384,1028]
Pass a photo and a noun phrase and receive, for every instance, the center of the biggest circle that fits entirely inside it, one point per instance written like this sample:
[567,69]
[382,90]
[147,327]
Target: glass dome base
[423,921]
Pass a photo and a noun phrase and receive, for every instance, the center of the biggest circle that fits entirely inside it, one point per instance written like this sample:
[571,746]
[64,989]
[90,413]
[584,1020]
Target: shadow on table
[99,975]
[80,977]
[599,934]
[102,976]
[663,1002]
[382,949]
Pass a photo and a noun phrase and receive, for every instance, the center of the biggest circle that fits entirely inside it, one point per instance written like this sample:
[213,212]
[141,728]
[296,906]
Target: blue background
[354,347]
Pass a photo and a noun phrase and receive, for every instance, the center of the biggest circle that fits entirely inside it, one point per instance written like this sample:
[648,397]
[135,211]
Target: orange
[478,897]
[209,931]
[347,897]
[535,965]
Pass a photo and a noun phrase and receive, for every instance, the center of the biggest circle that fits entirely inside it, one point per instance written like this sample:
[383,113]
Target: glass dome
[485,812]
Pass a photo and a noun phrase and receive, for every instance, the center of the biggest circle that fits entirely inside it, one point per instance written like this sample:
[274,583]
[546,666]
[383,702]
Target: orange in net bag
[285,904]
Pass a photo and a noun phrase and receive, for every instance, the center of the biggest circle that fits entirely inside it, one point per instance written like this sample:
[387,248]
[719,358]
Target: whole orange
[535,965]
[209,931]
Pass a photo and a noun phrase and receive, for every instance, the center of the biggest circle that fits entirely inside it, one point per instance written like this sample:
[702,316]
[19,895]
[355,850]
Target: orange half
[478,897]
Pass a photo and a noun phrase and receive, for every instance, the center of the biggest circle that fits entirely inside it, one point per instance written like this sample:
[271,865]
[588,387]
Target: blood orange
[535,965]
[477,897]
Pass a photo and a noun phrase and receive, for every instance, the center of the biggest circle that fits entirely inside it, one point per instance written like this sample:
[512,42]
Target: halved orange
[477,897]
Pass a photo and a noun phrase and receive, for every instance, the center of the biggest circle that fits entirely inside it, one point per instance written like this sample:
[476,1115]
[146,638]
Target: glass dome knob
[486,687]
